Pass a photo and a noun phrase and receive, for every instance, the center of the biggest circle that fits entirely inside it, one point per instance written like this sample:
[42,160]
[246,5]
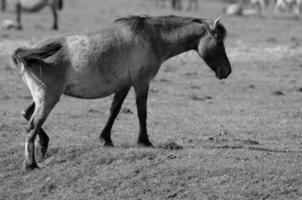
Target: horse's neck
[181,39]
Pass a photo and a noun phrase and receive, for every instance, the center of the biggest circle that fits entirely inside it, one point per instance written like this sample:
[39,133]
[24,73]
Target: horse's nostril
[229,72]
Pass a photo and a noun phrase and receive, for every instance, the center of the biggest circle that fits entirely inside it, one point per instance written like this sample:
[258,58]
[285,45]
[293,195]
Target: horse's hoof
[145,143]
[30,167]
[108,144]
[106,140]
[40,153]
[55,28]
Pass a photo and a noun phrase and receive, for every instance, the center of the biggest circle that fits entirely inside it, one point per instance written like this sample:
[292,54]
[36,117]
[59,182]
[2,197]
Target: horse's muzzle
[223,73]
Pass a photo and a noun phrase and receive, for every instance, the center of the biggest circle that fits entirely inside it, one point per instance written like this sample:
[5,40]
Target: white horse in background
[260,5]
[289,5]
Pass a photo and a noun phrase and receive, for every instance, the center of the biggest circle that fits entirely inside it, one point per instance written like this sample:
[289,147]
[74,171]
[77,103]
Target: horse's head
[211,49]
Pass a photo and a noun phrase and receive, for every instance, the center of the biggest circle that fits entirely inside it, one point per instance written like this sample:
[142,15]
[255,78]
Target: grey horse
[126,54]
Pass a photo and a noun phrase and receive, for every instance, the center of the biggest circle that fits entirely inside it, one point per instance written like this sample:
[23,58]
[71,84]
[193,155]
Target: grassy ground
[234,139]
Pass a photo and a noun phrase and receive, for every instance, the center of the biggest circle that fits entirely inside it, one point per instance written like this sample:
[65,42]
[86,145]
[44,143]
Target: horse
[37,5]
[260,5]
[177,4]
[193,4]
[127,53]
[282,5]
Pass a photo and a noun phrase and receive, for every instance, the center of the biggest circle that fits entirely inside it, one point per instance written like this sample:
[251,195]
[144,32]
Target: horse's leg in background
[299,2]
[260,7]
[277,7]
[190,5]
[179,4]
[141,95]
[42,109]
[173,2]
[55,16]
[291,6]
[193,3]
[3,5]
[43,138]
[298,7]
[196,4]
[116,105]
[18,11]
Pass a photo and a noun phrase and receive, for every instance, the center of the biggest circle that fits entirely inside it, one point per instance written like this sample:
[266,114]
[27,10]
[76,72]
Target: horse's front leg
[55,17]
[43,138]
[114,110]
[141,93]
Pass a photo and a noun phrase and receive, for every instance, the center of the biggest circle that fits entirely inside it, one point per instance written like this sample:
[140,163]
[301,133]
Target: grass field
[235,139]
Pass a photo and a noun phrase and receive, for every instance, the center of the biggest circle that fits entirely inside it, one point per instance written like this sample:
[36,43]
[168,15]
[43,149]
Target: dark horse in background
[126,54]
[35,6]
[178,4]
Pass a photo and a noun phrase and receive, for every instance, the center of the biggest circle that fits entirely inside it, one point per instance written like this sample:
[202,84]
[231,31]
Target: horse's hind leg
[44,139]
[141,93]
[42,109]
[55,17]
[114,110]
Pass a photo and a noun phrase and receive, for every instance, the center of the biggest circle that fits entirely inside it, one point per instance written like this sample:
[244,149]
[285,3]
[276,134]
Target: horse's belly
[93,85]
[32,5]
[87,91]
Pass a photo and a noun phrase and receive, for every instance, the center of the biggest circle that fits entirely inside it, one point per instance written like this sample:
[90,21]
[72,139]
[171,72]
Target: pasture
[233,139]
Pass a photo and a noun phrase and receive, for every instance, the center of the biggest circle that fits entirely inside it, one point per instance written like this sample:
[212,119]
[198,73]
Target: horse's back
[103,62]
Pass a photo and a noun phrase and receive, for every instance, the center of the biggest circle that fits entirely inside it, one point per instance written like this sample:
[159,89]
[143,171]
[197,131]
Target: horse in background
[248,7]
[37,5]
[126,54]
[174,4]
[260,5]
[289,5]
[193,4]
[178,4]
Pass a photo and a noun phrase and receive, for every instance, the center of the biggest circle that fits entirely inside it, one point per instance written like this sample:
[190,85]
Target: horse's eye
[219,42]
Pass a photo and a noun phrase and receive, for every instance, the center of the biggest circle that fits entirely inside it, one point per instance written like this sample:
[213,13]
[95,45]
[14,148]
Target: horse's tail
[60,4]
[27,55]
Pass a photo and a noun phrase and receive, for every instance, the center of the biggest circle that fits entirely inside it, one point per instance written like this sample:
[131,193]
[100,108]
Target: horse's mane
[169,22]
[138,24]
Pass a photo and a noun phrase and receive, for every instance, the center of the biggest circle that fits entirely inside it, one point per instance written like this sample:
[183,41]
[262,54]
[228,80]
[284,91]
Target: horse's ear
[215,23]
[212,25]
